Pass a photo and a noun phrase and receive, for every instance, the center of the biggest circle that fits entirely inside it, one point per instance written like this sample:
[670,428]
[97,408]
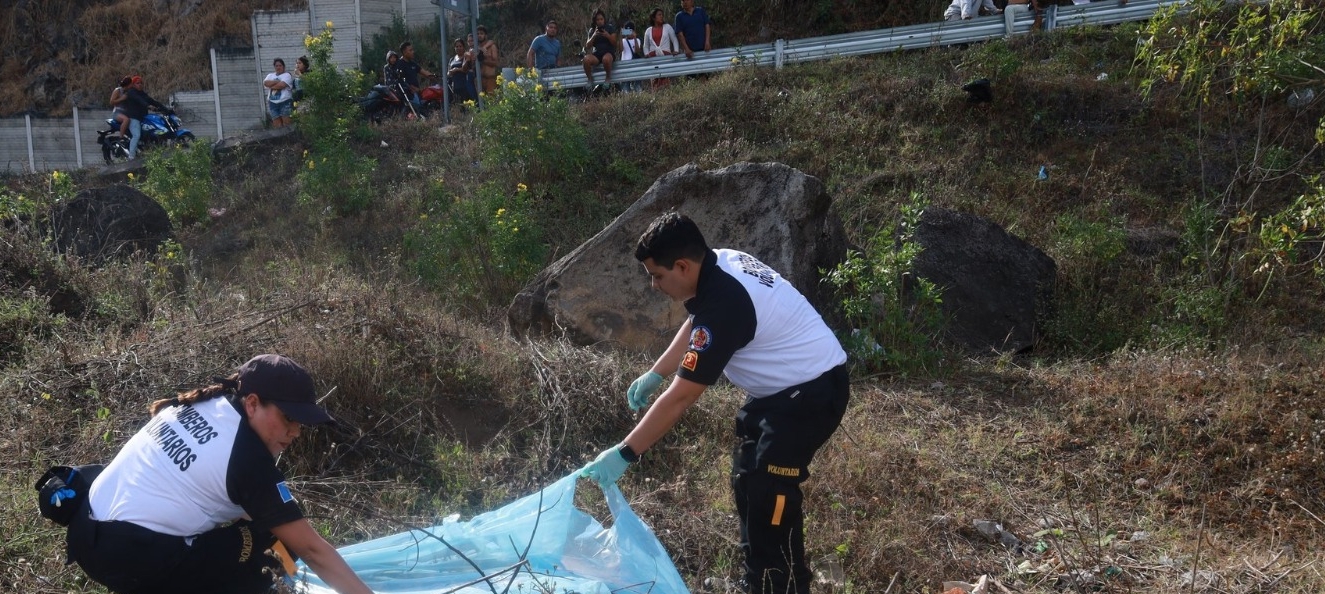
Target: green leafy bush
[482,249]
[894,316]
[332,173]
[181,181]
[526,129]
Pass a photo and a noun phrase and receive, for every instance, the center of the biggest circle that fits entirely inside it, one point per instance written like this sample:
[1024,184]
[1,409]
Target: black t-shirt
[408,71]
[601,44]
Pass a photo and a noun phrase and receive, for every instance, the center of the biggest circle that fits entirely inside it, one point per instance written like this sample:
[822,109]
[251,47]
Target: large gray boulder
[599,293]
[103,223]
[997,289]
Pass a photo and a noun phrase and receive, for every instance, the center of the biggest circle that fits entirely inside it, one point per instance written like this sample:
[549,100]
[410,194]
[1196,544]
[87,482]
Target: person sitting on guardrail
[599,48]
[545,51]
[1018,6]
[967,9]
[693,29]
[660,40]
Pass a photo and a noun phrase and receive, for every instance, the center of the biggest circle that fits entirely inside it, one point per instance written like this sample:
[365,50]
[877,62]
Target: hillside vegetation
[1165,436]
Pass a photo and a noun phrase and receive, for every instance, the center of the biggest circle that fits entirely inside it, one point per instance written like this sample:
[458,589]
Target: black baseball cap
[279,380]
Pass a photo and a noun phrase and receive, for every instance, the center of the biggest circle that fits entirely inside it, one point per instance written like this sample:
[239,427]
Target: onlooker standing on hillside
[545,51]
[136,104]
[750,324]
[630,50]
[600,48]
[693,29]
[301,67]
[660,40]
[280,94]
[489,61]
[460,75]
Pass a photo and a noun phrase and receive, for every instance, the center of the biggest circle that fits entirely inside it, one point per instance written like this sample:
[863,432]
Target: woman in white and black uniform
[194,500]
[749,323]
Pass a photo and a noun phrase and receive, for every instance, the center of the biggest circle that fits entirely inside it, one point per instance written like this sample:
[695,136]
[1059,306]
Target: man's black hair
[669,238]
[403,45]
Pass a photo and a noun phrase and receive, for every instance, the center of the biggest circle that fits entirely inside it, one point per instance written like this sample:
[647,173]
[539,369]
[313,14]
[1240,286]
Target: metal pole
[446,89]
[216,97]
[473,30]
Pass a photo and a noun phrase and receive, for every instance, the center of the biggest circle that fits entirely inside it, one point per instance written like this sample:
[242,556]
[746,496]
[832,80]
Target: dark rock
[104,223]
[997,289]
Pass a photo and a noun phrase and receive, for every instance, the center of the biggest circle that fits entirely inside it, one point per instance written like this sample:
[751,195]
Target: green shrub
[894,316]
[525,129]
[482,249]
[181,181]
[332,174]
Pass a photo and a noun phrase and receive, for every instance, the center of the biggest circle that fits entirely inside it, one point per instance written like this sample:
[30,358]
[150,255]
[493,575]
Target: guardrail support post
[32,158]
[779,48]
[78,139]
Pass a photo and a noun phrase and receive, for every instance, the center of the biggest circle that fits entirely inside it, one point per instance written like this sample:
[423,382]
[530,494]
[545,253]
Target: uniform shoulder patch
[284,491]
[700,338]
[690,360]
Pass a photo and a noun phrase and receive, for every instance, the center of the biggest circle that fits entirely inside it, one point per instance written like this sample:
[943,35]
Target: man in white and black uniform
[192,501]
[748,322]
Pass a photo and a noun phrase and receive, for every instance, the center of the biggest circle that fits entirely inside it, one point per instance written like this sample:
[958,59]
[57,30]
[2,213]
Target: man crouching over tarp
[748,322]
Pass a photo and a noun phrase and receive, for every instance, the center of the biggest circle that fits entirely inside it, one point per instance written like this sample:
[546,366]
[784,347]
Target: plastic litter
[568,551]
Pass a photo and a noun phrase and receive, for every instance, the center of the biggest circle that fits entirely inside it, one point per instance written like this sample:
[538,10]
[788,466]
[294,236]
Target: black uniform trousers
[779,435]
[130,559]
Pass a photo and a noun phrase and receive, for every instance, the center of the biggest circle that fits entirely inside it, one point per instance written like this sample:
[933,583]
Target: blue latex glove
[637,396]
[606,468]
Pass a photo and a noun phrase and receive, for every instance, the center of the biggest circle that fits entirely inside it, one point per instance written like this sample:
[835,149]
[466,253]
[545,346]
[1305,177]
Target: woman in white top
[660,40]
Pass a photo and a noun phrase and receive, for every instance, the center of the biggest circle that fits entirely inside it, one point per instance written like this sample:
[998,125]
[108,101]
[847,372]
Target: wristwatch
[628,453]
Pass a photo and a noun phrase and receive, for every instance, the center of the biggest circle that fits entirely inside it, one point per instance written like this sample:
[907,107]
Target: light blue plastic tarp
[570,552]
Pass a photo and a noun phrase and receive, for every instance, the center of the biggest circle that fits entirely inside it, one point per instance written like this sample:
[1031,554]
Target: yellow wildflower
[311,163]
[329,25]
[521,188]
[500,212]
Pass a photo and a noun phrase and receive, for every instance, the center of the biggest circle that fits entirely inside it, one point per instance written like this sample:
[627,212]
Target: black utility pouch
[63,490]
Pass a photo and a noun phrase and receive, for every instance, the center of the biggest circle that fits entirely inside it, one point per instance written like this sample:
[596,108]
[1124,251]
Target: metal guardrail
[780,52]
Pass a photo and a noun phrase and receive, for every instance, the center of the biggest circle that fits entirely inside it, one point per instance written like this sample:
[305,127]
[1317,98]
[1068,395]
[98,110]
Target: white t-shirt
[749,323]
[276,96]
[192,468]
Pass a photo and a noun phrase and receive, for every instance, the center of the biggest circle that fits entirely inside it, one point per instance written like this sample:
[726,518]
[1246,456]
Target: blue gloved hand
[607,467]
[637,396]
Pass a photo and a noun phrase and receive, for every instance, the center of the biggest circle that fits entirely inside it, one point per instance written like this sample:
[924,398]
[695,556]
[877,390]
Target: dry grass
[95,44]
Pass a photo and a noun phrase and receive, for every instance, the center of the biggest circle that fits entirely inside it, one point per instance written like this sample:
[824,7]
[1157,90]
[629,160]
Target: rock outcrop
[599,293]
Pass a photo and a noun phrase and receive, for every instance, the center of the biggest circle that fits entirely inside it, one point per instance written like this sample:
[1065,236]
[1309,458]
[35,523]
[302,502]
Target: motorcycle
[385,102]
[158,129]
